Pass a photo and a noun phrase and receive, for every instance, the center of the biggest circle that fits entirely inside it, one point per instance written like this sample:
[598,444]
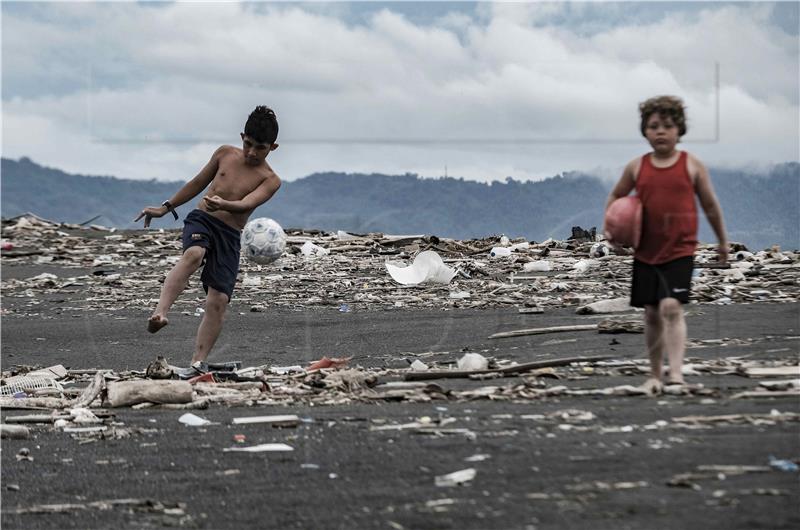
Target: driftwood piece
[738,418]
[510,370]
[197,404]
[125,393]
[14,431]
[770,371]
[766,394]
[36,418]
[620,326]
[91,392]
[33,403]
[540,331]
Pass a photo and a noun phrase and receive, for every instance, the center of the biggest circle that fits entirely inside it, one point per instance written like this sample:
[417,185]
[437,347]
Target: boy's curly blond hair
[666,106]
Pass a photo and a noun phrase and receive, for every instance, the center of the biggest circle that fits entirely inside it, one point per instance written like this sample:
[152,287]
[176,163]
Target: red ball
[623,221]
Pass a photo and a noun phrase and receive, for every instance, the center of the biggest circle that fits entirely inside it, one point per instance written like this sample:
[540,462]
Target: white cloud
[144,92]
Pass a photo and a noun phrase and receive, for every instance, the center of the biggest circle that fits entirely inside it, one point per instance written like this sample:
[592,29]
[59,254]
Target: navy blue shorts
[651,283]
[222,243]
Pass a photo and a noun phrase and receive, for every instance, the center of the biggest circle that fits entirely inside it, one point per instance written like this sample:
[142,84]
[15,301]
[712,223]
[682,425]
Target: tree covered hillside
[760,209]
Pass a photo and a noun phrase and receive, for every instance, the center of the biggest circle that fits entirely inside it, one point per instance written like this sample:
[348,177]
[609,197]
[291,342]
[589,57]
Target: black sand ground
[342,475]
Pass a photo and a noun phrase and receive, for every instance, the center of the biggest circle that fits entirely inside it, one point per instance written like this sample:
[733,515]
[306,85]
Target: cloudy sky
[486,90]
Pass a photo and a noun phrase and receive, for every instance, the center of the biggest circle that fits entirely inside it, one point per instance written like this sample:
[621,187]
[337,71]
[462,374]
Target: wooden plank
[540,331]
[510,370]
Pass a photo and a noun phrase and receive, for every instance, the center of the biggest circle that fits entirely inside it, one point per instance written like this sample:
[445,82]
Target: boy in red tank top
[667,180]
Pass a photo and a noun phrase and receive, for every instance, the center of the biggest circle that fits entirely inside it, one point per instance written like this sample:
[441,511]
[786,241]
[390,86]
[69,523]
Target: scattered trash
[583,266]
[262,448]
[418,365]
[473,361]
[159,369]
[326,362]
[614,305]
[193,421]
[427,267]
[500,252]
[285,420]
[783,465]
[13,385]
[310,250]
[344,308]
[537,266]
[456,478]
[355,261]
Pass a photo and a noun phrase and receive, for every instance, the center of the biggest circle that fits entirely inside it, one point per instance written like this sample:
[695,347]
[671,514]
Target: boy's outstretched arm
[711,207]
[189,190]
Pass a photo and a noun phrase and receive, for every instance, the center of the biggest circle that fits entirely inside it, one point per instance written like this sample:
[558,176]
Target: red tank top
[669,213]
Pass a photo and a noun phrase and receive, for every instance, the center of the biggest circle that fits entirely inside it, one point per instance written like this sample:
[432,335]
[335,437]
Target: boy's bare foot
[156,322]
[652,386]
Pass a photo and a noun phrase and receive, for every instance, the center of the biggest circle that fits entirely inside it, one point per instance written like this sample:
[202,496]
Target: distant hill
[760,210]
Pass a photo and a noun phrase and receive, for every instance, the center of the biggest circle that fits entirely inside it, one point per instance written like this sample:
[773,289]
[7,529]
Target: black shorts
[651,283]
[222,243]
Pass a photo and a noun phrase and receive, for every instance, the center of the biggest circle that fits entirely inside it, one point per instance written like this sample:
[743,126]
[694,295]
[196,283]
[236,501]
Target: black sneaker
[198,368]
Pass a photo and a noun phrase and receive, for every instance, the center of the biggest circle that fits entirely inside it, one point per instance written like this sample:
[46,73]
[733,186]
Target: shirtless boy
[240,181]
[667,180]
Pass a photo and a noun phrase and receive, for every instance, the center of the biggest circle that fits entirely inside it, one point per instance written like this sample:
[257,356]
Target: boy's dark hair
[262,125]
[665,106]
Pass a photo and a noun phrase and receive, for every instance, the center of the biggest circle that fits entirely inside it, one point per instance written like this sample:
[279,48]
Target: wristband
[170,208]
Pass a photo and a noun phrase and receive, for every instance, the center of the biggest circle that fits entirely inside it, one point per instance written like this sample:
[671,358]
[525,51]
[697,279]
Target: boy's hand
[214,203]
[150,212]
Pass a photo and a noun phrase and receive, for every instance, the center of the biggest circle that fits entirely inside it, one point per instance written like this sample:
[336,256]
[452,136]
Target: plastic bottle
[500,252]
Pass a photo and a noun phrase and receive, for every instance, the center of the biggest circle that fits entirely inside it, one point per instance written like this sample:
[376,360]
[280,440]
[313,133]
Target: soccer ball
[263,240]
[599,250]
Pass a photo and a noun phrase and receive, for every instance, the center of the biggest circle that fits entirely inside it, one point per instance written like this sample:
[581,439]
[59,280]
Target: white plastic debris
[251,281]
[310,250]
[344,236]
[614,305]
[473,361]
[537,266]
[459,295]
[261,448]
[456,478]
[427,267]
[499,252]
[418,365]
[83,415]
[280,419]
[583,266]
[193,421]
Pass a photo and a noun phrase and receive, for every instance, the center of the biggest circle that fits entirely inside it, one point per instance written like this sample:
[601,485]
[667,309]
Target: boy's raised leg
[174,285]
[674,337]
